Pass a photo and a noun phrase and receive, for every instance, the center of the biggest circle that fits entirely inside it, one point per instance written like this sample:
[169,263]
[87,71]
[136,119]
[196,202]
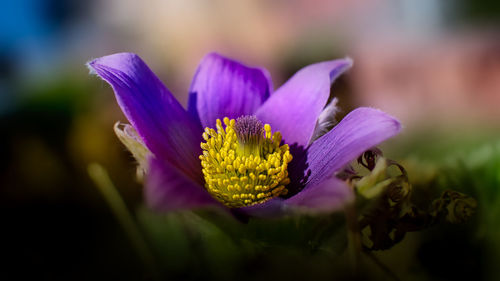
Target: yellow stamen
[242,170]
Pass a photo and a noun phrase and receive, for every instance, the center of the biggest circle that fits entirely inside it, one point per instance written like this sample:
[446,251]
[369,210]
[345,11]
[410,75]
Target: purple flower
[246,166]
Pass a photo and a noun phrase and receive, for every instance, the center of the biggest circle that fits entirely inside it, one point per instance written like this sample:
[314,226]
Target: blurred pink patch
[453,79]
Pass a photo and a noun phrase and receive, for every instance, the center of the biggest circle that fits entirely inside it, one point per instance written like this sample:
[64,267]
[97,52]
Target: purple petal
[273,208]
[359,131]
[294,108]
[166,128]
[168,189]
[223,87]
[328,196]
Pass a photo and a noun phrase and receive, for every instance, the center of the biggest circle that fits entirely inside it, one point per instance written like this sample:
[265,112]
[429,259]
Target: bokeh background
[433,64]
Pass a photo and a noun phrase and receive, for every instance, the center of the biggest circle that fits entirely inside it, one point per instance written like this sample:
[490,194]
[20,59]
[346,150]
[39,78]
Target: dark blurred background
[433,64]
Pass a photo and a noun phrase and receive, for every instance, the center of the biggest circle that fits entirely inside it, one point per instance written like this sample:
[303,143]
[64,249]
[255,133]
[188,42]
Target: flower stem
[104,184]
[382,266]
[353,237]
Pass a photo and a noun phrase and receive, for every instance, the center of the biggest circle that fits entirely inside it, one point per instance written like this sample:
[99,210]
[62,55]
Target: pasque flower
[261,152]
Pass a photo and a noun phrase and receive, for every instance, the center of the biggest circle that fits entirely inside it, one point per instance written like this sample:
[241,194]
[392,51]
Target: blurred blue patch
[32,40]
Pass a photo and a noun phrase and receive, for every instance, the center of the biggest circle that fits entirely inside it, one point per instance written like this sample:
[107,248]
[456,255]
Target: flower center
[243,163]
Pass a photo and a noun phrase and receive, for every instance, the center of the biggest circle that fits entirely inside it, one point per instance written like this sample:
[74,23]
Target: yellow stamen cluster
[240,173]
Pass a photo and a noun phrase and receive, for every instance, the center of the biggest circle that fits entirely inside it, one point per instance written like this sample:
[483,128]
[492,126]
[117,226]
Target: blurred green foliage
[479,11]
[213,245]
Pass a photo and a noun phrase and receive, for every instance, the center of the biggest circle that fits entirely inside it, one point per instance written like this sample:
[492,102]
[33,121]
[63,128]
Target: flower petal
[223,87]
[359,131]
[133,142]
[326,120]
[328,196]
[294,108]
[166,128]
[168,189]
[273,208]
